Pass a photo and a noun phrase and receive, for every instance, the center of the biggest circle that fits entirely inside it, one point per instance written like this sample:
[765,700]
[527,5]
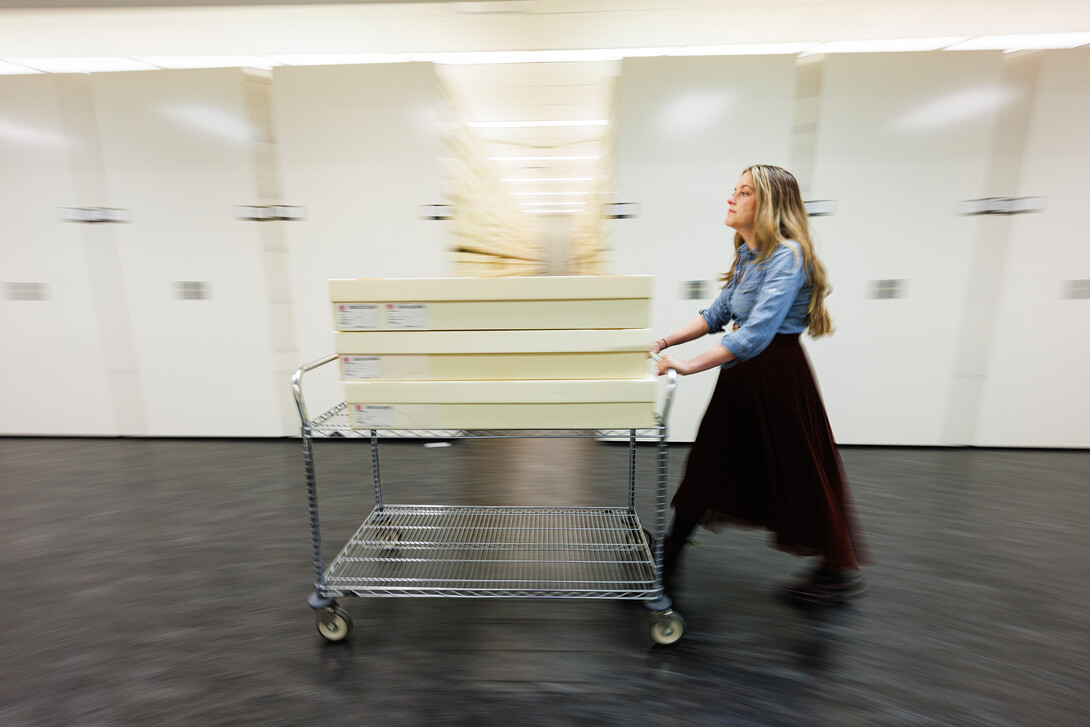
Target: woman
[764,454]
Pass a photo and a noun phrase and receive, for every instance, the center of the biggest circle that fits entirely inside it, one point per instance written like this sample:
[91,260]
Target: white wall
[177,151]
[53,365]
[686,128]
[1036,392]
[901,138]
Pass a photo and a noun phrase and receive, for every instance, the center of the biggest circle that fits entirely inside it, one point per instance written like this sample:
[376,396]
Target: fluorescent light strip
[542,204]
[543,193]
[895,45]
[755,49]
[94,64]
[553,212]
[545,159]
[529,124]
[88,64]
[190,62]
[11,69]
[337,59]
[1035,41]
[550,179]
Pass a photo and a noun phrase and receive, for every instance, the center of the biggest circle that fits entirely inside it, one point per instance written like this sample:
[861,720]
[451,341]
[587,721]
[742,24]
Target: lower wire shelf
[514,552]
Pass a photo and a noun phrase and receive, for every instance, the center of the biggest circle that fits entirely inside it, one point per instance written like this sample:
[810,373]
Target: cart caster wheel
[333,623]
[667,627]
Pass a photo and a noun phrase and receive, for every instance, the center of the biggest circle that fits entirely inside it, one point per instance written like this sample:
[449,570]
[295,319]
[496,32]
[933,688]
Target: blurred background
[178,181]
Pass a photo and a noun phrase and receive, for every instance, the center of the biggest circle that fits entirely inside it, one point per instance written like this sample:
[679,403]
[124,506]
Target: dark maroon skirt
[764,456]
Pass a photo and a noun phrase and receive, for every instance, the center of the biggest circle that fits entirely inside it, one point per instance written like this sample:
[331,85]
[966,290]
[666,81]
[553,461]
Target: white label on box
[357,316]
[370,416]
[407,316]
[361,367]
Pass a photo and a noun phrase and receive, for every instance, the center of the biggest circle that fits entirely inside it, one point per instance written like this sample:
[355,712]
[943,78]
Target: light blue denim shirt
[762,300]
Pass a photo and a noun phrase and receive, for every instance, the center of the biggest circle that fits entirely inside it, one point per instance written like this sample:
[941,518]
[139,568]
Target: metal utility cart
[490,552]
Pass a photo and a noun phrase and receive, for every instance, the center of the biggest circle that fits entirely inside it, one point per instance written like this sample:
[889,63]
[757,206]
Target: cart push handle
[671,385]
[297,385]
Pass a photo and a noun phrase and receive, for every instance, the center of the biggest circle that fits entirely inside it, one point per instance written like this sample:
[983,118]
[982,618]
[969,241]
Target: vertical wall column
[103,260]
[275,256]
[977,326]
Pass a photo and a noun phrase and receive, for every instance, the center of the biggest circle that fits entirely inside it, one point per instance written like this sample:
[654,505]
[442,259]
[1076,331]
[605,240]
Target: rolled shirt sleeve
[718,314]
[775,295]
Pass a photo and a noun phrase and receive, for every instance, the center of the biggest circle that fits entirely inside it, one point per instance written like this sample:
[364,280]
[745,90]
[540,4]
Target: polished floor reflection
[164,582]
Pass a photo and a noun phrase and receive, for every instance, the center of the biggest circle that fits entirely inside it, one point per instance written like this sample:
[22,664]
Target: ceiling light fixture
[191,62]
[541,193]
[90,64]
[337,59]
[894,45]
[550,179]
[588,157]
[533,124]
[1034,41]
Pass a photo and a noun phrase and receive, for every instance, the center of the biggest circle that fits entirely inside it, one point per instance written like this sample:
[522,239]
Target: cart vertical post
[318,599]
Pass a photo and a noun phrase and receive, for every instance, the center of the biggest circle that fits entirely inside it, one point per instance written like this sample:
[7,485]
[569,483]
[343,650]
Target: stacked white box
[495,353]
[473,304]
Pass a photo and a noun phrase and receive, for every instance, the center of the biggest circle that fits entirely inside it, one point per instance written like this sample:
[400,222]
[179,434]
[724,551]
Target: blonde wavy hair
[782,216]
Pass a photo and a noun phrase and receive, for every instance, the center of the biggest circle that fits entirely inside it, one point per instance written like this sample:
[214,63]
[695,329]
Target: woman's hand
[656,347]
[669,362]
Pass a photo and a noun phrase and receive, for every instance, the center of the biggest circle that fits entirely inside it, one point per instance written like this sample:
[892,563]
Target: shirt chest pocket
[743,298]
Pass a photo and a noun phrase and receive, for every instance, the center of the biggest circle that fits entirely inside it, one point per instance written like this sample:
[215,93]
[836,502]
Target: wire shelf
[336,423]
[532,552]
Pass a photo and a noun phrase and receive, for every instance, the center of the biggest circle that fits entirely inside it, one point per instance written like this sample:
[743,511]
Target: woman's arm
[716,356]
[695,328]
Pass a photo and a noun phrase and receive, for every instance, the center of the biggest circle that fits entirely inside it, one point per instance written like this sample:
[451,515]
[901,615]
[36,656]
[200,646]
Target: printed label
[361,367]
[370,416]
[357,316]
[407,316]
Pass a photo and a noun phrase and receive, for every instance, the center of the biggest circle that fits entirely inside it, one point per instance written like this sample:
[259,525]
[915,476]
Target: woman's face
[742,205]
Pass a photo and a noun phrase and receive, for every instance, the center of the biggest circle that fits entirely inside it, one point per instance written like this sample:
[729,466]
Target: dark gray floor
[164,582]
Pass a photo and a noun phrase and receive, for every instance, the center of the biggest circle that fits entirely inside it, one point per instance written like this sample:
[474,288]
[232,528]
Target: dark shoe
[826,587]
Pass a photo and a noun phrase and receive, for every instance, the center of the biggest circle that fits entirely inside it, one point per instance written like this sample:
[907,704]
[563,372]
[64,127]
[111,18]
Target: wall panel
[53,366]
[1036,392]
[178,151]
[901,138]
